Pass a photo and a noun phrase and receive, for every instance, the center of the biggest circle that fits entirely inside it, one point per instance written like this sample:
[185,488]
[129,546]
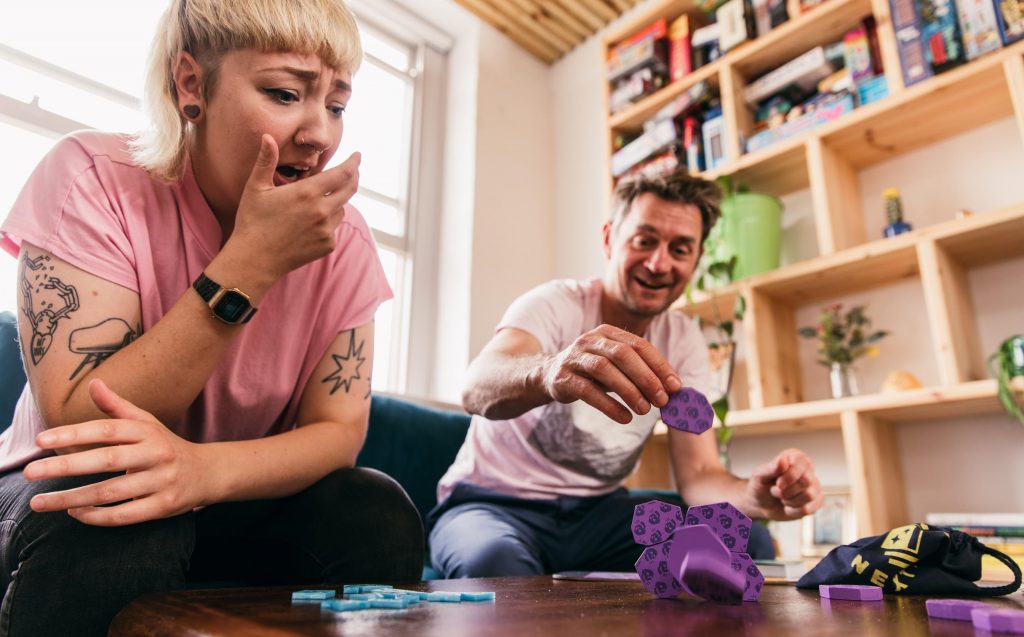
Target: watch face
[232,306]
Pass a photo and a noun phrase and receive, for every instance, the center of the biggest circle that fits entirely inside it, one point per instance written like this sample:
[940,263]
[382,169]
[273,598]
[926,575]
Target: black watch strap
[230,305]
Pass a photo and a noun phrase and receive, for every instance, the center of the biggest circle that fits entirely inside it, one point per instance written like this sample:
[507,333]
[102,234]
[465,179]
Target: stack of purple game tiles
[985,617]
[702,554]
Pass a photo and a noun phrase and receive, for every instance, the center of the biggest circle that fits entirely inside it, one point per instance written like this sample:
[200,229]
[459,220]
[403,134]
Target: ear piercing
[191,111]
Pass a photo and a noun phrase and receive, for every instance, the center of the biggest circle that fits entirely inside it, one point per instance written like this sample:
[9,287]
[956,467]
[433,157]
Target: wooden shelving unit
[827,160]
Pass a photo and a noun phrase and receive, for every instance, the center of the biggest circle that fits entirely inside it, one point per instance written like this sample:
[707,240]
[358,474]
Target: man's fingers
[118,489]
[601,401]
[768,472]
[650,355]
[633,368]
[607,376]
[793,469]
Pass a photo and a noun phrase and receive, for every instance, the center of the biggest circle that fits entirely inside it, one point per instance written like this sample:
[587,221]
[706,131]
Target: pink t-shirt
[570,450]
[89,203]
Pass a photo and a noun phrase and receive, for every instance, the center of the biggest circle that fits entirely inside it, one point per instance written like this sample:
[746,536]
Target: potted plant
[1007,365]
[843,337]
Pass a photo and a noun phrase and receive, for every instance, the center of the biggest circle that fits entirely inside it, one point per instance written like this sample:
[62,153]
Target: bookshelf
[827,160]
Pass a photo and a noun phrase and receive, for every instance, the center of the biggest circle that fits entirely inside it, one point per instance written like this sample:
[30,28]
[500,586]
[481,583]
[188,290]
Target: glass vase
[842,380]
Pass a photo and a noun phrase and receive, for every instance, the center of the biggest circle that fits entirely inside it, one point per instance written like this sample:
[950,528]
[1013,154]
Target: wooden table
[536,606]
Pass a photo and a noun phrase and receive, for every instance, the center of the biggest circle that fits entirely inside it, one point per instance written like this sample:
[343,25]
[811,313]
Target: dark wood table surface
[537,606]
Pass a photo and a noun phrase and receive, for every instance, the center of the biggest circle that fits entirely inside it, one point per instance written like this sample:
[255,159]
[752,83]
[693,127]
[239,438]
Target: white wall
[497,216]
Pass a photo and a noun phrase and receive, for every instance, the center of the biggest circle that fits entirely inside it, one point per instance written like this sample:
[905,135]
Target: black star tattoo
[348,365]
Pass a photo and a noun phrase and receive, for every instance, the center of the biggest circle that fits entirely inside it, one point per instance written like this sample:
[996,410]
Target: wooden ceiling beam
[501,22]
[541,19]
[583,12]
[522,20]
[622,5]
[600,8]
[570,21]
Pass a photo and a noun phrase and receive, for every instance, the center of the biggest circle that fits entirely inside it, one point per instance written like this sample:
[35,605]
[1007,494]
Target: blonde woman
[196,318]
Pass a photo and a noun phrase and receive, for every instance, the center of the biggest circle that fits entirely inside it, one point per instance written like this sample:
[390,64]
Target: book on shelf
[713,133]
[979,26]
[636,86]
[652,140]
[645,48]
[789,570]
[769,14]
[975,519]
[1010,15]
[830,108]
[680,63]
[704,47]
[906,23]
[804,71]
[940,34]
[681,104]
[737,20]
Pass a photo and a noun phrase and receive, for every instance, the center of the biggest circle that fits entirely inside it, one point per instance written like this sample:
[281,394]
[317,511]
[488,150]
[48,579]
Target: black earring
[191,111]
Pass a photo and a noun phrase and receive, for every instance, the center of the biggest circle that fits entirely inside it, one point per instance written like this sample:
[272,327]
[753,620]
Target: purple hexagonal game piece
[709,574]
[1002,620]
[754,579]
[696,539]
[655,522]
[852,592]
[958,609]
[688,410]
[731,526]
[652,567]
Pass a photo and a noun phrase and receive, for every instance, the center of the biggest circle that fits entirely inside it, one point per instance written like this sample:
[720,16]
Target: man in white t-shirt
[566,393]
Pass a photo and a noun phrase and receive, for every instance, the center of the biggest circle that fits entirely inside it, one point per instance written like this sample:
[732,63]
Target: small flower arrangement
[843,337]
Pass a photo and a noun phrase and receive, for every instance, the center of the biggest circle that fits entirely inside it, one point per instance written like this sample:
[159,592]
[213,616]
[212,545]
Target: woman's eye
[281,95]
[336,110]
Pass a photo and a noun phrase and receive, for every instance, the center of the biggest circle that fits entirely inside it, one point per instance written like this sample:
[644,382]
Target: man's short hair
[677,186]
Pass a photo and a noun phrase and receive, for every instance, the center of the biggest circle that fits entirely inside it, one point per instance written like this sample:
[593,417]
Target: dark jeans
[480,533]
[62,577]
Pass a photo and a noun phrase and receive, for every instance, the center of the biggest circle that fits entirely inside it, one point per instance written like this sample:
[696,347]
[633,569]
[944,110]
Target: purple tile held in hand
[958,609]
[709,574]
[688,410]
[731,526]
[652,566]
[999,620]
[852,592]
[654,522]
[754,578]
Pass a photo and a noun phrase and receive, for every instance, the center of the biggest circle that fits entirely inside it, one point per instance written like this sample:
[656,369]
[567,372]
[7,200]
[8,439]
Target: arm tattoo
[369,387]
[54,299]
[348,365]
[99,342]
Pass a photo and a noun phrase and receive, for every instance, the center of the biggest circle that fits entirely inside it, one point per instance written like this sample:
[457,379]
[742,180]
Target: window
[75,66]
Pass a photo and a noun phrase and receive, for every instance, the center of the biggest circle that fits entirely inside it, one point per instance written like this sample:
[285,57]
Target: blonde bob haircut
[207,29]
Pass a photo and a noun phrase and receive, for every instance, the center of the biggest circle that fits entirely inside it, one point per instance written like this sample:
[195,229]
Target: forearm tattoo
[348,365]
[45,301]
[98,342]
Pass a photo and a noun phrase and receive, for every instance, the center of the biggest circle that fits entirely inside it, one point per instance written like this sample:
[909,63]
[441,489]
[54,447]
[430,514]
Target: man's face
[652,254]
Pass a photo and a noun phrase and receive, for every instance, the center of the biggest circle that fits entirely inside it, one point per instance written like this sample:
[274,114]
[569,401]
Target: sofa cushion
[413,444]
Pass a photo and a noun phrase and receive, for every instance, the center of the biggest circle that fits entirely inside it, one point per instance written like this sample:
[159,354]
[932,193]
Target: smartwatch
[230,305]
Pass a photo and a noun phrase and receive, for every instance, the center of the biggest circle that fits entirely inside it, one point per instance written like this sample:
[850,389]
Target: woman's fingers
[117,489]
